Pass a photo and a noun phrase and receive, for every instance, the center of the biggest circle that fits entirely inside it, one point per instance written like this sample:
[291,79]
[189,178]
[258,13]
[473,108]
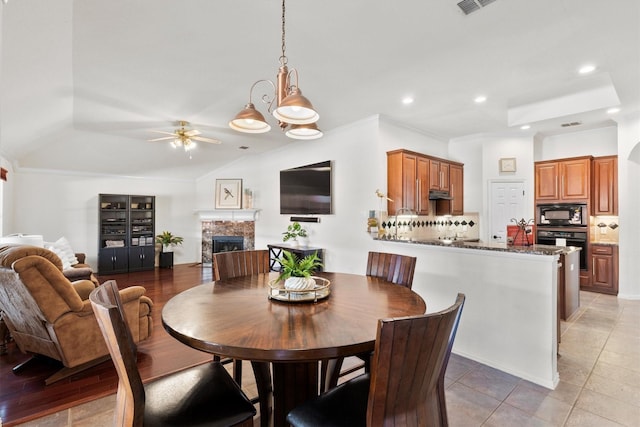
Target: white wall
[57,204]
[592,142]
[480,155]
[629,206]
[358,152]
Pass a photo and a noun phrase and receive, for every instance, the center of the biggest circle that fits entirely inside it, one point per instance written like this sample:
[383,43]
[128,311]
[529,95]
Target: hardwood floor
[24,396]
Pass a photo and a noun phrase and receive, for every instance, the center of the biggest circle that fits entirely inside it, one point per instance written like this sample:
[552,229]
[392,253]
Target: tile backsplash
[432,227]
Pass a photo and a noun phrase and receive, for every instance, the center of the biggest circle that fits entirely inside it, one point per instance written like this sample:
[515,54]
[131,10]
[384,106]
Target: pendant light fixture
[294,112]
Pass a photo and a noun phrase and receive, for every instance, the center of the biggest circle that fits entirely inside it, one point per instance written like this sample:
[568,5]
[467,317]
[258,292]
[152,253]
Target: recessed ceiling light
[525,127]
[613,110]
[586,69]
[480,99]
[407,100]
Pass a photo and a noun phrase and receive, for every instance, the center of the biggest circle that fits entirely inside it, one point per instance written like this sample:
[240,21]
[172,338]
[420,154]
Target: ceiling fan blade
[164,138]
[165,133]
[192,132]
[203,139]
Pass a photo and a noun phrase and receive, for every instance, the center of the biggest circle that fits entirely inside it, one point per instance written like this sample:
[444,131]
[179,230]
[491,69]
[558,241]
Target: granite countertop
[498,247]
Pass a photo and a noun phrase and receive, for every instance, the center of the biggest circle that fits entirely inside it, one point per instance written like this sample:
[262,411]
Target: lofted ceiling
[84,83]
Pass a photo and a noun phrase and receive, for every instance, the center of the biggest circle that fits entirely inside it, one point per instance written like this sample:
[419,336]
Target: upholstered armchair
[49,315]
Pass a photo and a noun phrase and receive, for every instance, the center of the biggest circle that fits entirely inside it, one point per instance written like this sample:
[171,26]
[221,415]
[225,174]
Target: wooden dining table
[236,318]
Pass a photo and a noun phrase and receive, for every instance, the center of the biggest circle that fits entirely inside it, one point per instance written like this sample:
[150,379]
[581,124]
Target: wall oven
[577,238]
[562,215]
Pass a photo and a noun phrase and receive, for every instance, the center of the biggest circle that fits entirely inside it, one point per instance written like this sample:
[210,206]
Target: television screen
[306,189]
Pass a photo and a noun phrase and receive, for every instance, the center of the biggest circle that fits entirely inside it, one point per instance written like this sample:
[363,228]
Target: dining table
[240,318]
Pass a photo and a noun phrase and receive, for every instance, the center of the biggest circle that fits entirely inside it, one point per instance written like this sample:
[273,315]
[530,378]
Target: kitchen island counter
[510,318]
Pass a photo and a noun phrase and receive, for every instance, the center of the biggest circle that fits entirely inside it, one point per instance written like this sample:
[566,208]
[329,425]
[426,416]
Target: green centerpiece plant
[296,273]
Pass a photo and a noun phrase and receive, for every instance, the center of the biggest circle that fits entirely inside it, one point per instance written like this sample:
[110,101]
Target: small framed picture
[228,193]
[508,164]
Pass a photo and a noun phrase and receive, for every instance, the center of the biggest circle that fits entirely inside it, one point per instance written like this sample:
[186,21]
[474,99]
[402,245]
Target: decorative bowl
[320,290]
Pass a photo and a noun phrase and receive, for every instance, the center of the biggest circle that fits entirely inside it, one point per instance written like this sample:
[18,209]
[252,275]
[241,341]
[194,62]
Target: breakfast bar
[511,314]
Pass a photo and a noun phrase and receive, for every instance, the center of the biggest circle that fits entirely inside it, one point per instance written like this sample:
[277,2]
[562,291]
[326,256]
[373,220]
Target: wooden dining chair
[406,382]
[202,395]
[228,265]
[394,268]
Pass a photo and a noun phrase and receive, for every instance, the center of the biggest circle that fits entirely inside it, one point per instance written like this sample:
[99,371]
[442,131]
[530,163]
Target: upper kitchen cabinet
[605,186]
[439,178]
[455,206]
[407,182]
[563,180]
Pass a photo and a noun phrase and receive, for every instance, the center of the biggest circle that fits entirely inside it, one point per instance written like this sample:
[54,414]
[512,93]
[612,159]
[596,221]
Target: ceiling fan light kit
[184,138]
[292,108]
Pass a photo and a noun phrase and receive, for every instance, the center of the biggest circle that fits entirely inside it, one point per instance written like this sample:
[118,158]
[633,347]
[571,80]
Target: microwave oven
[562,215]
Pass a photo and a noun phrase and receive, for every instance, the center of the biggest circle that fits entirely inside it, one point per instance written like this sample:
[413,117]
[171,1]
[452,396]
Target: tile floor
[599,368]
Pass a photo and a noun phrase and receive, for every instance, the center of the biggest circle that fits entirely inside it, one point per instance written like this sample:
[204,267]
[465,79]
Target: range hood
[439,195]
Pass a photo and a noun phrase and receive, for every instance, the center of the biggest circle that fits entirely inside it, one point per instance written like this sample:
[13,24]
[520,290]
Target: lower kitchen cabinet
[604,269]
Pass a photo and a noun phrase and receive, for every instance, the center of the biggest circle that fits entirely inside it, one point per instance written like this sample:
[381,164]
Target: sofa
[49,315]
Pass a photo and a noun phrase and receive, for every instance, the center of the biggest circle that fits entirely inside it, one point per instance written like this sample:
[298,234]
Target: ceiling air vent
[568,124]
[469,6]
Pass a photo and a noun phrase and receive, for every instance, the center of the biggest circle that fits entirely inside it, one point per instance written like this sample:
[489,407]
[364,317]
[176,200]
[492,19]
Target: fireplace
[227,244]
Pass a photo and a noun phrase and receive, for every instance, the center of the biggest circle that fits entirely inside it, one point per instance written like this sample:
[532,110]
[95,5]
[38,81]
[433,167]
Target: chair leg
[237,371]
[330,371]
[262,373]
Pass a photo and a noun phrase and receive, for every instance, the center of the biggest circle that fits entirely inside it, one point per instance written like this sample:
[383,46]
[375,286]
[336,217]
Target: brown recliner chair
[49,315]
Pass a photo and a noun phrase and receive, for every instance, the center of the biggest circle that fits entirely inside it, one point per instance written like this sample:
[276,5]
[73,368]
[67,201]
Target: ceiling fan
[183,137]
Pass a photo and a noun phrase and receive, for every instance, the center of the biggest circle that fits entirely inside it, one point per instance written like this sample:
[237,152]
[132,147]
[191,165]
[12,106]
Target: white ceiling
[83,83]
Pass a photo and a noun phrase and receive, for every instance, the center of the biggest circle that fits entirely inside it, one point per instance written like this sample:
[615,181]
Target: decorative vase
[295,243]
[299,283]
[167,248]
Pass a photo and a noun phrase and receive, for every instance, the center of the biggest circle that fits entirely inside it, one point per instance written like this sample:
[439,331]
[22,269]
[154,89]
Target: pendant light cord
[283,58]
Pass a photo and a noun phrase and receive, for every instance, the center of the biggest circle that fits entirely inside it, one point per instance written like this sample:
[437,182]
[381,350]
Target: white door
[507,202]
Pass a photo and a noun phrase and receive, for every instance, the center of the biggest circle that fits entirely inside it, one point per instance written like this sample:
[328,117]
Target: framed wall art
[228,193]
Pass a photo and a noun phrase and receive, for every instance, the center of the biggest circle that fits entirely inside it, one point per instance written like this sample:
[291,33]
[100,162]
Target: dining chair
[394,268]
[202,395]
[406,382]
[228,265]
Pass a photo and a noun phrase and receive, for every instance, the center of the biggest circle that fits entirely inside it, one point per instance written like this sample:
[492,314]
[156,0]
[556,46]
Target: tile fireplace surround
[226,223]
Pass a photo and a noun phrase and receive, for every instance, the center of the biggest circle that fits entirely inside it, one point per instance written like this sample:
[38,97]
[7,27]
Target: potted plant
[168,241]
[296,273]
[294,231]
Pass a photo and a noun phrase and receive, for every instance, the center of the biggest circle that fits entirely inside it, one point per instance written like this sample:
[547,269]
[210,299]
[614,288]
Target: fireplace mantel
[228,214]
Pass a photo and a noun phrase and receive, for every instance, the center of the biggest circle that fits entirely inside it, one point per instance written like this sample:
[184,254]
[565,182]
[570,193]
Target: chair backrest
[107,307]
[232,264]
[410,355]
[393,268]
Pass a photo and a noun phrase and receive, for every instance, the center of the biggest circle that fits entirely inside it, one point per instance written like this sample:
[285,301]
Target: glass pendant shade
[308,131]
[249,120]
[296,109]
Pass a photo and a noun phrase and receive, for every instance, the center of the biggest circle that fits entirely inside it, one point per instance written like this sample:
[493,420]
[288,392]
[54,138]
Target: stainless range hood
[439,195]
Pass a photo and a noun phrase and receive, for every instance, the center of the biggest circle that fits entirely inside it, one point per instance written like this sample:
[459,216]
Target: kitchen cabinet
[456,185]
[563,180]
[604,269]
[605,186]
[407,182]
[439,178]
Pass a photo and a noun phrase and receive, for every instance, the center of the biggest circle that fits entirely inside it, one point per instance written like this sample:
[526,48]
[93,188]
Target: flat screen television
[306,189]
